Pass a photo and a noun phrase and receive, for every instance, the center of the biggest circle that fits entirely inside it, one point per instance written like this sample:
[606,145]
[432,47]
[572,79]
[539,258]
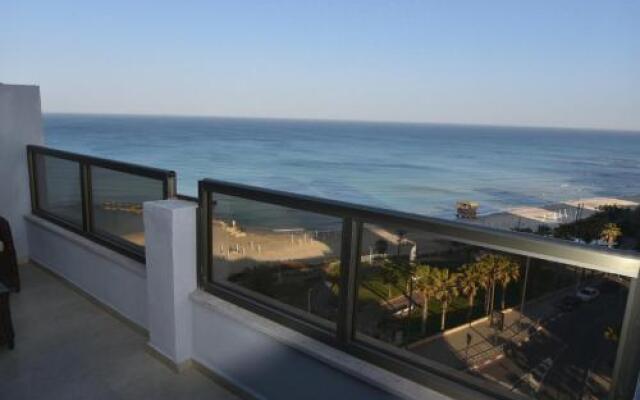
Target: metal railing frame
[437,376]
[85,163]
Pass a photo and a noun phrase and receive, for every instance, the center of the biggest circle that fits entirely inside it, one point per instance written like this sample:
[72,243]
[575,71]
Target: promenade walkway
[474,345]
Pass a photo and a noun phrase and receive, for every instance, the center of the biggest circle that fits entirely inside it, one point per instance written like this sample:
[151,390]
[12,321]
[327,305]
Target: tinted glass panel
[58,188]
[117,203]
[286,257]
[546,331]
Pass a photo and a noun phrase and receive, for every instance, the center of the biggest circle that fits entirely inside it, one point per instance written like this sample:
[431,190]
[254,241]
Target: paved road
[484,347]
[575,341]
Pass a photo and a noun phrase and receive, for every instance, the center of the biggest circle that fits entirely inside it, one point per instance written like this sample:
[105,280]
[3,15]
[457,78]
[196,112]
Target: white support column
[20,125]
[170,241]
[626,373]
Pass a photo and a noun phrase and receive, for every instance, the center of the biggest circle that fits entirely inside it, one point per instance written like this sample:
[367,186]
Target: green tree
[391,274]
[610,233]
[493,269]
[381,246]
[424,275]
[485,281]
[332,273]
[445,290]
[508,271]
[488,265]
[469,282]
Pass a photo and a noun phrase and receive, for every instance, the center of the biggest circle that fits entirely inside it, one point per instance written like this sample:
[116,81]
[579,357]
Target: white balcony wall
[114,280]
[20,125]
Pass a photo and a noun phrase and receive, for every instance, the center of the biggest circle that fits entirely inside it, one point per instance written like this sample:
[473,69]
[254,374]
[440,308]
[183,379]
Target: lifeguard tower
[467,209]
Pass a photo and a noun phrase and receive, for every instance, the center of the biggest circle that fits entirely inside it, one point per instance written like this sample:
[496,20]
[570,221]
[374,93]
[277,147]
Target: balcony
[278,295]
[71,347]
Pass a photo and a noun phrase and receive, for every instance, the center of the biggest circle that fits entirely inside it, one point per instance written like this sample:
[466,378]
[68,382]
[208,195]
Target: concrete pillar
[20,125]
[170,240]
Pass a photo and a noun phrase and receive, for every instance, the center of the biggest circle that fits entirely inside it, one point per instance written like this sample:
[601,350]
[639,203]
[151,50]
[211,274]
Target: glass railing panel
[59,188]
[535,327]
[117,199]
[284,257]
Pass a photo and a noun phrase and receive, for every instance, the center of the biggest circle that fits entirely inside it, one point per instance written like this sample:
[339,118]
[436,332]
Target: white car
[587,293]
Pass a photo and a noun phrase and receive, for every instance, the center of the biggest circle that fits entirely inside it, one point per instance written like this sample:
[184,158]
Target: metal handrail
[524,244]
[122,166]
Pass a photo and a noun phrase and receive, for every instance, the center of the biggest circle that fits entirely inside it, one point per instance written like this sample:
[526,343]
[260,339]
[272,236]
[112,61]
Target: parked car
[568,303]
[587,293]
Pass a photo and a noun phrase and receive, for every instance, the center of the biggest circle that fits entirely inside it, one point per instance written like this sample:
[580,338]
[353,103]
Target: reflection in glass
[278,254]
[58,188]
[540,328]
[117,202]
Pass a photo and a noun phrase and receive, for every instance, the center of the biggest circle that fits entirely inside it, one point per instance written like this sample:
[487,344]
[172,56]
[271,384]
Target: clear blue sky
[541,62]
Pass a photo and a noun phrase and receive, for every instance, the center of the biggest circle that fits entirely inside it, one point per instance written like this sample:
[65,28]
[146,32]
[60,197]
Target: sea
[420,168]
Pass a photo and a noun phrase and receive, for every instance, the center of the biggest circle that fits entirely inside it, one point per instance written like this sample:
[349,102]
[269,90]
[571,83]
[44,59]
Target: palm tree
[611,232]
[493,269]
[508,271]
[332,272]
[445,290]
[469,281]
[390,274]
[488,265]
[484,280]
[424,284]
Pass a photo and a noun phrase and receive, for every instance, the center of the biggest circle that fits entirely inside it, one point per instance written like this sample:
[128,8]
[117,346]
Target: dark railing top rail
[529,245]
[187,198]
[121,166]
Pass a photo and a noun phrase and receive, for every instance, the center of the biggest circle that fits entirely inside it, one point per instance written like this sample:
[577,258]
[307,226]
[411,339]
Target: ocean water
[422,168]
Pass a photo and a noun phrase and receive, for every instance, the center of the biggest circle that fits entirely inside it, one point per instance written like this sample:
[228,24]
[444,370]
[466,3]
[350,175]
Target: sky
[567,63]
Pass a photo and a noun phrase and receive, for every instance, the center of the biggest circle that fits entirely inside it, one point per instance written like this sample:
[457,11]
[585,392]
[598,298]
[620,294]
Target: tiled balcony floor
[69,348]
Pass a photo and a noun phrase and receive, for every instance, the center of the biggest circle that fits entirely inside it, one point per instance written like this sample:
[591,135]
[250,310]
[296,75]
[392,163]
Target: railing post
[170,236]
[170,187]
[627,366]
[203,235]
[524,285]
[31,164]
[349,260]
[85,187]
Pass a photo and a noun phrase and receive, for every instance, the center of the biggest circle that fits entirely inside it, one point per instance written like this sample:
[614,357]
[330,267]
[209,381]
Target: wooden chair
[6,326]
[9,281]
[8,262]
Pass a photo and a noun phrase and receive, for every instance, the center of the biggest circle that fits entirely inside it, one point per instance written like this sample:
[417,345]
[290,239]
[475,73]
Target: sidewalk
[486,344]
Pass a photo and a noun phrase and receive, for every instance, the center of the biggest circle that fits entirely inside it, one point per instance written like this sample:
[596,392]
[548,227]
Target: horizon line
[345,120]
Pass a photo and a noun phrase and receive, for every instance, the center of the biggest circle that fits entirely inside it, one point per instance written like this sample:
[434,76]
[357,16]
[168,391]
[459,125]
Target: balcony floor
[69,348]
